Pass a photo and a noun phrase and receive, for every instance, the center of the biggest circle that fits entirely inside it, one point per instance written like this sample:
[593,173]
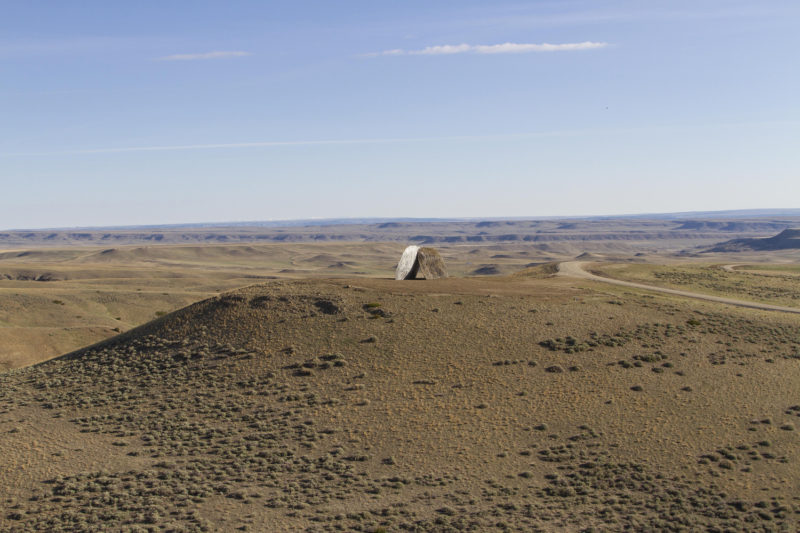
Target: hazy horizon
[722,214]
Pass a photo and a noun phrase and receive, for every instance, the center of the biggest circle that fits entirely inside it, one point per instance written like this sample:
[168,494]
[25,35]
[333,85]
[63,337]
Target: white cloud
[443,49]
[515,48]
[205,55]
[504,48]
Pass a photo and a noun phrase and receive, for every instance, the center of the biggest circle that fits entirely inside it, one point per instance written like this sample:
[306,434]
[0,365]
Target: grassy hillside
[59,299]
[532,403]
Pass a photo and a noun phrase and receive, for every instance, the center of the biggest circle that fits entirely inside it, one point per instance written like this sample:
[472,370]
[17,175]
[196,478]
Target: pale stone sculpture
[407,262]
[425,262]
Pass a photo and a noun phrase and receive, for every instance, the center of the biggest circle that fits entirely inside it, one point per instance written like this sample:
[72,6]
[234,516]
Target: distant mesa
[420,262]
[788,239]
[732,226]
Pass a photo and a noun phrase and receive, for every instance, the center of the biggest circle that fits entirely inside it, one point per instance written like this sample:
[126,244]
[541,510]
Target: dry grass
[56,300]
[264,408]
[773,284]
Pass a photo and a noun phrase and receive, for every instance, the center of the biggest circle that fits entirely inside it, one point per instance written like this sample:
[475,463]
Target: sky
[153,112]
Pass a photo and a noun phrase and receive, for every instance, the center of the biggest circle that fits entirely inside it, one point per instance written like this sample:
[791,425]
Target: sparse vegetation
[777,285]
[266,406]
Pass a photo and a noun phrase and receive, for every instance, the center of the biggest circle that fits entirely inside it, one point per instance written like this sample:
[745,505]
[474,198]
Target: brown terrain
[305,390]
[64,289]
[788,239]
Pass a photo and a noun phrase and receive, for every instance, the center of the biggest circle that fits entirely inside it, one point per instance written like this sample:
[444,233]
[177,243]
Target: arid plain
[291,384]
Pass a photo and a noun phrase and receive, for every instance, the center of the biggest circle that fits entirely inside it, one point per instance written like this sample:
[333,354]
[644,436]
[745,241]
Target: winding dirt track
[575,269]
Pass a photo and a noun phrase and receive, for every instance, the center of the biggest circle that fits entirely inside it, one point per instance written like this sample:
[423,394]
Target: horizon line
[768,211]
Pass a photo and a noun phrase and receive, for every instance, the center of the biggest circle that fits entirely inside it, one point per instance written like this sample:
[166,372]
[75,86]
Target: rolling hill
[525,403]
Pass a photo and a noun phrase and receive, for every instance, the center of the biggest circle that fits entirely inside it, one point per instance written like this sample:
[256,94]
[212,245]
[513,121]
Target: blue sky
[152,112]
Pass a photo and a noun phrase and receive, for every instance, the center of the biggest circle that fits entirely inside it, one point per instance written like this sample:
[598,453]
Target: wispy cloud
[204,55]
[680,127]
[272,144]
[503,48]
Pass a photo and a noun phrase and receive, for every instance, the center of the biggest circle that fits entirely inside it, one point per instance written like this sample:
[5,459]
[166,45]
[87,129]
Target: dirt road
[575,269]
